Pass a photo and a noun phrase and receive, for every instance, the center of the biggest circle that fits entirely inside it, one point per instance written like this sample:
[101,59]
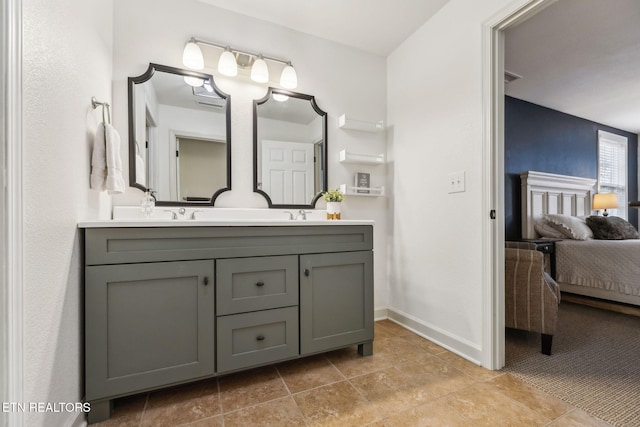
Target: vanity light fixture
[227,64]
[192,56]
[230,59]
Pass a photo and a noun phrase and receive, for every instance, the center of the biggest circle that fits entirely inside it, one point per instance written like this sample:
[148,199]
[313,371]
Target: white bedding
[607,265]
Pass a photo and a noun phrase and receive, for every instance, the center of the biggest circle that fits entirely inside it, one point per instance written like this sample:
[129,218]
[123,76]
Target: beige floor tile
[281,412]
[250,388]
[425,344]
[469,368]
[386,353]
[337,404]
[183,404]
[393,328]
[483,405]
[434,413]
[309,372]
[578,418]
[402,387]
[216,421]
[127,412]
[544,404]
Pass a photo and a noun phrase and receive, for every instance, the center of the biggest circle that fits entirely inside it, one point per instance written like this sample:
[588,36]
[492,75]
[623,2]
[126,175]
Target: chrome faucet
[292,217]
[193,214]
[303,214]
[174,214]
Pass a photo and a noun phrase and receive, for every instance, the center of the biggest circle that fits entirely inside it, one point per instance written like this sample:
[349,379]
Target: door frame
[493,33]
[11,355]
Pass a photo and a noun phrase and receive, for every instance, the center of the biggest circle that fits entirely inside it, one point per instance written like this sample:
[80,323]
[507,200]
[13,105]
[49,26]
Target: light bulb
[259,70]
[193,81]
[227,64]
[192,56]
[288,78]
[280,97]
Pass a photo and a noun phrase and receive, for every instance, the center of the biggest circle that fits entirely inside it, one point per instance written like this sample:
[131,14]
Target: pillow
[611,228]
[572,227]
[544,229]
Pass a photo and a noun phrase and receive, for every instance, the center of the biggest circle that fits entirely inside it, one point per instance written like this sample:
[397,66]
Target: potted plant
[334,199]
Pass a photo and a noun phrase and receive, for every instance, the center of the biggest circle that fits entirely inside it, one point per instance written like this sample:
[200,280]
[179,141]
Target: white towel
[115,181]
[99,160]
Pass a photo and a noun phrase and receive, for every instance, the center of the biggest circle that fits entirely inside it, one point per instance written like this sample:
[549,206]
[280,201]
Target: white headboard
[544,193]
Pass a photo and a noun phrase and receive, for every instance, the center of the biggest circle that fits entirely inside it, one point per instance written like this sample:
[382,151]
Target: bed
[605,269]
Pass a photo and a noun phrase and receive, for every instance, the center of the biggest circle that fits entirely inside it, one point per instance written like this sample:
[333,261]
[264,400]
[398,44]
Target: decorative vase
[333,210]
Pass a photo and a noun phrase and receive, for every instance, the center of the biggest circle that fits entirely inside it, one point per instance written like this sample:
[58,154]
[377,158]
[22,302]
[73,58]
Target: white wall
[434,108]
[67,58]
[342,80]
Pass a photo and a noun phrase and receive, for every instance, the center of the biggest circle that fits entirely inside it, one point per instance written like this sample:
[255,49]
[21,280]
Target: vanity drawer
[257,338]
[252,284]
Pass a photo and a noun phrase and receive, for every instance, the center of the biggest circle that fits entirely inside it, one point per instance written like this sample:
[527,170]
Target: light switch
[456,182]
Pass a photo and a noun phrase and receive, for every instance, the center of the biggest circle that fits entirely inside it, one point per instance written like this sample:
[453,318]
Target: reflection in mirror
[179,136]
[289,149]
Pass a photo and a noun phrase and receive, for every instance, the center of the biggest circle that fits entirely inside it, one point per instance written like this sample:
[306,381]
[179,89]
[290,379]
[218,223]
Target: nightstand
[548,247]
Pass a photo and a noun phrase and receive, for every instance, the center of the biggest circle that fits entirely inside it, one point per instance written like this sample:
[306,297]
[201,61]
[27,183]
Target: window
[612,169]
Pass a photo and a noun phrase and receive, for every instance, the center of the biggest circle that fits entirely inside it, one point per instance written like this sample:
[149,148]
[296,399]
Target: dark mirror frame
[321,113]
[132,81]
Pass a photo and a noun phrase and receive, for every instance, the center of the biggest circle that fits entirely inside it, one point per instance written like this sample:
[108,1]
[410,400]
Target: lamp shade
[605,201]
[259,70]
[192,56]
[227,64]
[289,78]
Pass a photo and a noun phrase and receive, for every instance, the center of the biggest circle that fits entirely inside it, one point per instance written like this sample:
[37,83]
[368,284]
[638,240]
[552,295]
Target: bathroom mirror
[179,136]
[289,149]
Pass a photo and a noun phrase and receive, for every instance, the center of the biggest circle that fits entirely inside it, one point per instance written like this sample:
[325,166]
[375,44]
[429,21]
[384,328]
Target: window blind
[612,169]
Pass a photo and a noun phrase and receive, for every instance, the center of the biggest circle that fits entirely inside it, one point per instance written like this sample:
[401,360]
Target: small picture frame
[363,182]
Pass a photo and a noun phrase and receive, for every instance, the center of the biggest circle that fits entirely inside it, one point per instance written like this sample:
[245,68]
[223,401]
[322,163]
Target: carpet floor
[595,362]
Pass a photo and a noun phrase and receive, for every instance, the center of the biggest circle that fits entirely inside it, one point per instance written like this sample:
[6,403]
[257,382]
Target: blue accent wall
[545,140]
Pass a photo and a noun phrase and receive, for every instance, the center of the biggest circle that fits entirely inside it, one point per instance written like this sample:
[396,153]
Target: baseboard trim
[380,313]
[457,345]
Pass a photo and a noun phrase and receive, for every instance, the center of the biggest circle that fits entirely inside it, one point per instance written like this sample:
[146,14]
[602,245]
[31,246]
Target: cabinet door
[147,325]
[336,300]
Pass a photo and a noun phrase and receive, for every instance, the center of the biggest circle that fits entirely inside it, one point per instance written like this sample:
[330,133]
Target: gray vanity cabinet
[336,301]
[147,325]
[168,305]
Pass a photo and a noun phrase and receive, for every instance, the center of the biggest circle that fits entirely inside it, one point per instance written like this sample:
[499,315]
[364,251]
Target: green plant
[333,195]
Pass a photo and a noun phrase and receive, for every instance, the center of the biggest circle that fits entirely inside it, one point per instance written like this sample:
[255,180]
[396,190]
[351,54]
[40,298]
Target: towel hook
[105,106]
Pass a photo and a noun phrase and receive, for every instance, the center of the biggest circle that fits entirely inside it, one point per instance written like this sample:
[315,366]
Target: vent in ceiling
[510,77]
[209,104]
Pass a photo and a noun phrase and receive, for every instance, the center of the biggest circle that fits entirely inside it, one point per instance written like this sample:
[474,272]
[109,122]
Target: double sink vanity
[172,301]
[196,291]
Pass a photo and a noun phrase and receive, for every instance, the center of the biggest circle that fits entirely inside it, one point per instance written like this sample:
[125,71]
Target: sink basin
[162,213]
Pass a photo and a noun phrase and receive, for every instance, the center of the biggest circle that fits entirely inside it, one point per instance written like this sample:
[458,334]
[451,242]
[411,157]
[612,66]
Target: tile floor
[408,381]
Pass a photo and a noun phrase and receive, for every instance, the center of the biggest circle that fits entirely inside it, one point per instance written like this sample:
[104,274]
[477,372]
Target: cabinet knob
[260,284]
[206,280]
[306,272]
[260,338]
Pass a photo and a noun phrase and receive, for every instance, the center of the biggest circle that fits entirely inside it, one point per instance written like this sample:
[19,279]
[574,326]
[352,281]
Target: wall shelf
[363,159]
[345,122]
[360,191]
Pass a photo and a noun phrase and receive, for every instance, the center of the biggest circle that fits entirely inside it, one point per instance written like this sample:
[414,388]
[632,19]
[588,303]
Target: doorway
[493,155]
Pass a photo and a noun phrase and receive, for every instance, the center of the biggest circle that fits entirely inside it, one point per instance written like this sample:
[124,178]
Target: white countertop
[131,216]
[115,223]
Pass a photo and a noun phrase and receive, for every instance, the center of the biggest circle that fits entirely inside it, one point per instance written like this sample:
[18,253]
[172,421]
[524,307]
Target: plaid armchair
[531,295]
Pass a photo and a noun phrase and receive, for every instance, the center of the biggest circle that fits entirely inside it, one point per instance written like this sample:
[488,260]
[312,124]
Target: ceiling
[581,57]
[376,27]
